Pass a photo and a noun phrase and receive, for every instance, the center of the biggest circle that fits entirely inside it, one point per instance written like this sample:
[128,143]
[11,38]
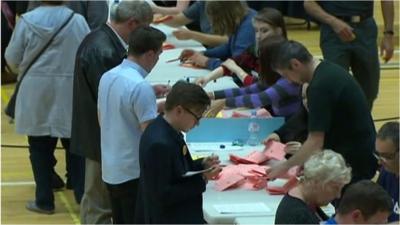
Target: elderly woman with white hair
[323,178]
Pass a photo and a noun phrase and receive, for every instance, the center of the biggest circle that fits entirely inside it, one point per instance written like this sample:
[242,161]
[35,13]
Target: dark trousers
[75,172]
[123,201]
[359,55]
[41,155]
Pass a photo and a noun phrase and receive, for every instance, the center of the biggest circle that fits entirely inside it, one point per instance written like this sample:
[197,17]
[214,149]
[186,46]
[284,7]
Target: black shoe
[57,183]
[69,184]
[32,206]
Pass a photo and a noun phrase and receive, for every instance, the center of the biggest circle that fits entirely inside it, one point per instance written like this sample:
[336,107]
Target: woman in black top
[323,178]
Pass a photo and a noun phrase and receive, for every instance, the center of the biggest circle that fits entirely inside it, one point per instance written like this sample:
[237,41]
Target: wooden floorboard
[15,166]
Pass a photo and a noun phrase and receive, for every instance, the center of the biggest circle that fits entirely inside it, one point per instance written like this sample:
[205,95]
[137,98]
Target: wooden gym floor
[17,186]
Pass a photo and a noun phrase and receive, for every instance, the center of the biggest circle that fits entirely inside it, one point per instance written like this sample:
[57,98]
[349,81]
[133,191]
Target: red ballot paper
[275,150]
[226,182]
[162,19]
[190,65]
[167,46]
[281,190]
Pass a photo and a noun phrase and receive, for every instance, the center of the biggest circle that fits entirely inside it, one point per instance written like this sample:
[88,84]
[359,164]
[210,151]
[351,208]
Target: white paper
[212,147]
[257,207]
[191,173]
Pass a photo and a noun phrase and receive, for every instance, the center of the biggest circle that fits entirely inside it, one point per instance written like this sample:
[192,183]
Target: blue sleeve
[244,36]
[216,54]
[193,12]
[144,100]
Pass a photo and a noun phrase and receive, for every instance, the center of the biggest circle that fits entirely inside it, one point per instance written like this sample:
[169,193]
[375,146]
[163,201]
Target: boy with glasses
[387,152]
[169,197]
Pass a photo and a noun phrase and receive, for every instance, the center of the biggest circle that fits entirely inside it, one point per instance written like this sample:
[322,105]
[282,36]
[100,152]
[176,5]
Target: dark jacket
[100,51]
[167,197]
[95,12]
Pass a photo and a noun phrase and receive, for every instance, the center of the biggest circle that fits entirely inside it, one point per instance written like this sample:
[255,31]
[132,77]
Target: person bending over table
[277,94]
[267,22]
[232,18]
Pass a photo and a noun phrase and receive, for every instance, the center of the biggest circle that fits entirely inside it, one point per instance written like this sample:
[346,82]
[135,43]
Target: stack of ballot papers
[273,150]
[281,186]
[247,176]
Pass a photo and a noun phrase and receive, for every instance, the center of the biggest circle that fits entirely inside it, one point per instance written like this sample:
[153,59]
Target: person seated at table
[168,196]
[276,94]
[323,178]
[364,202]
[387,151]
[196,13]
[232,18]
[267,22]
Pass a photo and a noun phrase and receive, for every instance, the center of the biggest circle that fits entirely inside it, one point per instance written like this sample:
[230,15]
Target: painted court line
[61,195]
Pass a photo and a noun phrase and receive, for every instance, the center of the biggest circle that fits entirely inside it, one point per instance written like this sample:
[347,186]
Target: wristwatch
[389,32]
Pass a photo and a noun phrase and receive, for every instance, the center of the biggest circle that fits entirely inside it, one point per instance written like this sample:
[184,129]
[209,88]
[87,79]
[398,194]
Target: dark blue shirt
[197,12]
[390,182]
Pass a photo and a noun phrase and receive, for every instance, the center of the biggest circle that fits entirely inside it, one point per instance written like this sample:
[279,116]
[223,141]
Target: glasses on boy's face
[386,157]
[198,118]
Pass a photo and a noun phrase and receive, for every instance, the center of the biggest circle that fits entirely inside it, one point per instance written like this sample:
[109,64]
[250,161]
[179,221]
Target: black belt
[354,19]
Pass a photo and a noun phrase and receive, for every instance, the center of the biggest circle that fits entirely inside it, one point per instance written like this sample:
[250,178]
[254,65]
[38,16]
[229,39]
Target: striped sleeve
[234,92]
[275,96]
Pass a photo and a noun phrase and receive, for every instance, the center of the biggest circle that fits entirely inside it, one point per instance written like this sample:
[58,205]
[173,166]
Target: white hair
[124,10]
[326,166]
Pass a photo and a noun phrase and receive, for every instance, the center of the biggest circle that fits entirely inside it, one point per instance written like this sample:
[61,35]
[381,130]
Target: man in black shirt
[339,117]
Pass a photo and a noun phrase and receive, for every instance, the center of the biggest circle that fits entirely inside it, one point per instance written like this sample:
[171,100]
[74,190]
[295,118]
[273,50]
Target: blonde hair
[326,166]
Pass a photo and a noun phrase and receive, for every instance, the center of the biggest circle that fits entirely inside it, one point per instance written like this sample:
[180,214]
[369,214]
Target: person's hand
[160,106]
[277,170]
[211,95]
[292,147]
[387,47]
[210,161]
[182,34]
[210,175]
[202,81]
[230,64]
[343,30]
[215,108]
[161,90]
[186,54]
[271,137]
[198,59]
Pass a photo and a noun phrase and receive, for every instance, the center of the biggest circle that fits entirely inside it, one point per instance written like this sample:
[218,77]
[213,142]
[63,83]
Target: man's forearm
[314,10]
[309,148]
[388,14]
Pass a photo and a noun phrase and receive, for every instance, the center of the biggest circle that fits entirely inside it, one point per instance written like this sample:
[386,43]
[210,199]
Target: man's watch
[388,32]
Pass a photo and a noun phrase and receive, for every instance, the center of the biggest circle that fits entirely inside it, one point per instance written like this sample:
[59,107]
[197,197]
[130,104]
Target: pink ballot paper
[275,150]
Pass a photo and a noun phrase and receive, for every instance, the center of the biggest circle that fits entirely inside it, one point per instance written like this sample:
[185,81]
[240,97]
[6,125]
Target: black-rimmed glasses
[198,118]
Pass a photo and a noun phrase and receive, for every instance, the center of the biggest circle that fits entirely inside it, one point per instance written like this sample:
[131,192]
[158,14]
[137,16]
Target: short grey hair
[326,166]
[126,9]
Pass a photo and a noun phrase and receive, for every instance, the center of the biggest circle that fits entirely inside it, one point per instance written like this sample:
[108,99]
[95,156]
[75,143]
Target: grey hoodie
[44,102]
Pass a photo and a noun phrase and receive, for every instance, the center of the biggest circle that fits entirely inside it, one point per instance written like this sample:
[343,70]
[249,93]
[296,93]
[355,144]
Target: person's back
[162,205]
[51,75]
[334,94]
[121,113]
[103,49]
